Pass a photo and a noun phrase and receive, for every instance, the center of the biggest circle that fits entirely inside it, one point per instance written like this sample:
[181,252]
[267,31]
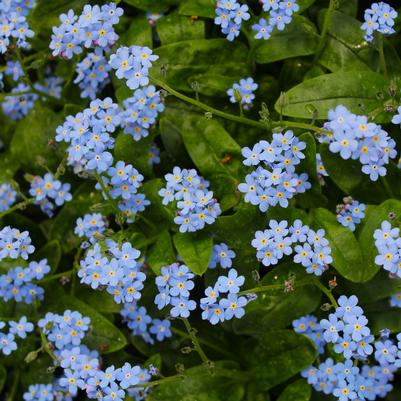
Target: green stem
[264,288]
[20,205]
[202,341]
[325,29]
[233,117]
[205,107]
[325,291]
[55,276]
[157,382]
[387,187]
[14,386]
[195,341]
[383,65]
[45,347]
[107,194]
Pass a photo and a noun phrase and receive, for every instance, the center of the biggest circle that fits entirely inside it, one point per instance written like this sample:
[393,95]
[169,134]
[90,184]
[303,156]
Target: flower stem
[56,276]
[383,65]
[325,29]
[325,291]
[264,288]
[45,347]
[18,206]
[14,385]
[233,117]
[157,382]
[202,341]
[195,341]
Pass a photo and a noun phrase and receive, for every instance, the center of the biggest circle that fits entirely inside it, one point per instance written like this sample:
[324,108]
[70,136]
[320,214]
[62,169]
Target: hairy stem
[195,341]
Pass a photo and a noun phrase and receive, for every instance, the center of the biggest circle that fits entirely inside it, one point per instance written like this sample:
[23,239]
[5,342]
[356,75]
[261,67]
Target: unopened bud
[31,357]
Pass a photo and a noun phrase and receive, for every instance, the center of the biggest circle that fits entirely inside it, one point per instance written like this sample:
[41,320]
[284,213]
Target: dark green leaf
[199,8]
[279,355]
[345,250]
[223,383]
[276,308]
[3,377]
[161,253]
[175,28]
[300,390]
[52,252]
[195,250]
[354,90]
[298,39]
[104,336]
[139,33]
[31,139]
[160,6]
[372,222]
[181,63]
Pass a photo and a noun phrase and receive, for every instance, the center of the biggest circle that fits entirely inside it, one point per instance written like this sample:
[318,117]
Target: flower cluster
[274,181]
[17,107]
[133,64]
[64,331]
[310,327]
[17,283]
[122,182]
[222,256]
[242,92]
[91,29]
[229,16]
[380,17]
[347,330]
[8,196]
[39,392]
[15,244]
[174,285]
[16,329]
[388,245]
[353,137]
[280,15]
[350,213]
[139,321]
[217,309]
[90,226]
[14,23]
[312,252]
[141,111]
[88,136]
[196,205]
[92,74]
[47,189]
[116,269]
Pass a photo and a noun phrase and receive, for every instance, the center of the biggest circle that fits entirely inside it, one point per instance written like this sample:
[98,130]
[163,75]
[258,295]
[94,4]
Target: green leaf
[209,144]
[3,377]
[300,390]
[199,8]
[104,336]
[298,39]
[222,383]
[372,222]
[275,308]
[160,6]
[52,252]
[62,227]
[345,250]
[133,152]
[138,33]
[183,62]
[175,28]
[312,197]
[31,139]
[195,250]
[354,90]
[161,253]
[156,216]
[279,355]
